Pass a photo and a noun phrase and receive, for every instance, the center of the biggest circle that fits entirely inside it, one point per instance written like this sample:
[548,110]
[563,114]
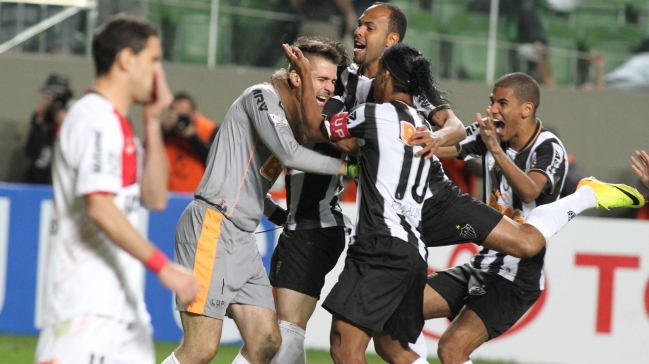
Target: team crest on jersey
[468,233]
[278,120]
[476,291]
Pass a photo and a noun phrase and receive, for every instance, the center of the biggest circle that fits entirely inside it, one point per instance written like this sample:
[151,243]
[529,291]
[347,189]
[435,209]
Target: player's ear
[294,78]
[392,39]
[528,109]
[124,58]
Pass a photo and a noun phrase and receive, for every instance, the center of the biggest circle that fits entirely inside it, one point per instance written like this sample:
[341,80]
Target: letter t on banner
[606,265]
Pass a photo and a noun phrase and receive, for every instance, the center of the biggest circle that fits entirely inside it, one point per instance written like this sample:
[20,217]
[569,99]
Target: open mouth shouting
[499,127]
[359,47]
[321,99]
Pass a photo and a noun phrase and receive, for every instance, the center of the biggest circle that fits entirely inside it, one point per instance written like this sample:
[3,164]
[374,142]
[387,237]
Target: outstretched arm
[641,166]
[451,132]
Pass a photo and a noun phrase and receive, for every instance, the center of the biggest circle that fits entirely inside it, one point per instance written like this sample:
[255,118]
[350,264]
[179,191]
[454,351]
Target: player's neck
[369,70]
[525,132]
[114,92]
[398,96]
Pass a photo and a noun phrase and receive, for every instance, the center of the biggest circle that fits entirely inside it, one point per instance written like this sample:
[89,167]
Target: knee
[202,353]
[452,351]
[268,347]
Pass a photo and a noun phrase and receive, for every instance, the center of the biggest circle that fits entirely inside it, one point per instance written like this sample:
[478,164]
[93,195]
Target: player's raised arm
[155,177]
[312,118]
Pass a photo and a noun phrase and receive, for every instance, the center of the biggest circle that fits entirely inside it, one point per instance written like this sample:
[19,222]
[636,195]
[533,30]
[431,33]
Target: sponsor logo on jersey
[261,104]
[278,120]
[217,303]
[476,291]
[467,232]
[271,169]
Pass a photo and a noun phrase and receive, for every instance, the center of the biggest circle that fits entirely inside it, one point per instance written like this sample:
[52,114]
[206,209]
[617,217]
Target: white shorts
[91,339]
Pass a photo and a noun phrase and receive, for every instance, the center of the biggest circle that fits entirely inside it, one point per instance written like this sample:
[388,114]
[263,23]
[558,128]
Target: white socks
[420,347]
[552,217]
[171,359]
[239,360]
[468,362]
[420,361]
[292,349]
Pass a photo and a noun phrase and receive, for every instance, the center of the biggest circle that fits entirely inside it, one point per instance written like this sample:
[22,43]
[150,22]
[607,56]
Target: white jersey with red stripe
[96,152]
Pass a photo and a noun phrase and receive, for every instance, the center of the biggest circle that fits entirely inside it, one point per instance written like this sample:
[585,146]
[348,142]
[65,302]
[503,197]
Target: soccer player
[215,234]
[525,166]
[314,236]
[94,310]
[361,307]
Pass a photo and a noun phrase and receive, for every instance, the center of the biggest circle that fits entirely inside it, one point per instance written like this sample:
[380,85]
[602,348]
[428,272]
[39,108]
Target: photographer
[45,123]
[188,136]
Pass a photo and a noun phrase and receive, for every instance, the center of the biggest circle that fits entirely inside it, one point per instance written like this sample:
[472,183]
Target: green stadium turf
[19,349]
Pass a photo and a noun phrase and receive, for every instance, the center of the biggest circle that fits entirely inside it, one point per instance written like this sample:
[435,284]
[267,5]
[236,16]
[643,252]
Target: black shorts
[497,301]
[382,287]
[302,258]
[451,217]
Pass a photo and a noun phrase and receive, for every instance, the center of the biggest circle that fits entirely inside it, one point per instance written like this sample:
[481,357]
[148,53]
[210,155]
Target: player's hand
[181,281]
[297,60]
[428,140]
[161,96]
[641,166]
[488,131]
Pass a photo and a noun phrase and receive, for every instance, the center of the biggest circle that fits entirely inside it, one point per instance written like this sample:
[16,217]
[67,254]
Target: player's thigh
[445,292]
[303,258]
[294,307]
[90,339]
[255,323]
[512,238]
[135,346]
[450,218]
[200,331]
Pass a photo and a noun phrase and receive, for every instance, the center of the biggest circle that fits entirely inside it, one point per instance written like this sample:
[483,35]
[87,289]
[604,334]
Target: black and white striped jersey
[312,199]
[543,153]
[353,89]
[393,182]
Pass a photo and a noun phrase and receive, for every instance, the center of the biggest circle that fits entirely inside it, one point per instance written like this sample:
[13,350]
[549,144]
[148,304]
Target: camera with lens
[184,120]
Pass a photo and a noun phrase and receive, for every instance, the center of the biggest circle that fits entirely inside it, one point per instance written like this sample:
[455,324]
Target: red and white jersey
[96,152]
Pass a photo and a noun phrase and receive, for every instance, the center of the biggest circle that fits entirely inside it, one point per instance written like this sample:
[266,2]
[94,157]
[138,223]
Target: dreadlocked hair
[411,72]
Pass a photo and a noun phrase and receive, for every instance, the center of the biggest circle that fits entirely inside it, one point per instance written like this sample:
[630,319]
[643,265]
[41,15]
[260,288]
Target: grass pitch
[19,349]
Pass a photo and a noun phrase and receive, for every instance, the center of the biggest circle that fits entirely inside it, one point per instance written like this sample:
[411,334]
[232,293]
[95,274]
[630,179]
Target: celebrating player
[525,166]
[450,216]
[215,232]
[94,309]
[314,236]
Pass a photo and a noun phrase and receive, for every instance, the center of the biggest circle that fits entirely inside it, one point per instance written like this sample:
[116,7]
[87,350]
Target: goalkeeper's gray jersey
[253,145]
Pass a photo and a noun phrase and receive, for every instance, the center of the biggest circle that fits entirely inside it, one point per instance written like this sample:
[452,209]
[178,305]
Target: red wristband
[157,261]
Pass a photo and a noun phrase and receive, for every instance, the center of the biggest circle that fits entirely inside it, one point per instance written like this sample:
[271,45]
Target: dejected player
[94,286]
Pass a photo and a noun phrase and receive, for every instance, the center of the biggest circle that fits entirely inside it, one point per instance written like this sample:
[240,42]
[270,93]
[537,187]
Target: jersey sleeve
[269,119]
[472,147]
[98,145]
[353,124]
[549,158]
[430,107]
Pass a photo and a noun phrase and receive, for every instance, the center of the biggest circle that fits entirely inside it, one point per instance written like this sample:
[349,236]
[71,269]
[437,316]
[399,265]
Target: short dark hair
[182,95]
[325,48]
[397,22]
[118,32]
[411,72]
[525,88]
